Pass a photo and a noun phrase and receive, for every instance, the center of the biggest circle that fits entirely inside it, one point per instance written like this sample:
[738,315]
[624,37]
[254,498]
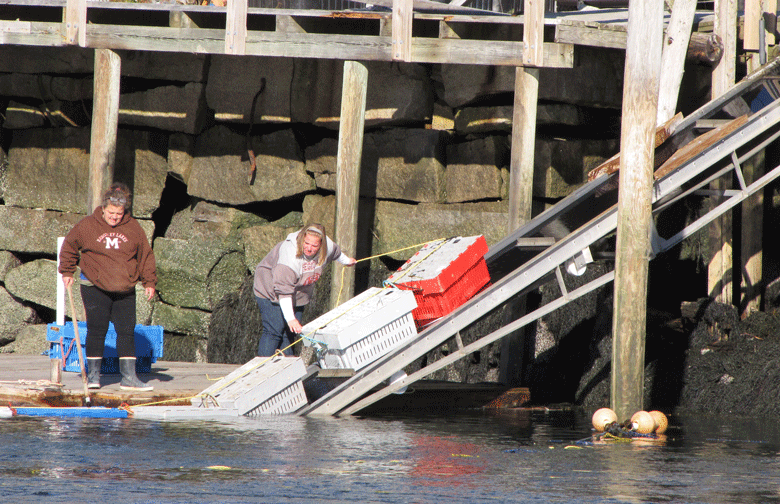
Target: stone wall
[435,164]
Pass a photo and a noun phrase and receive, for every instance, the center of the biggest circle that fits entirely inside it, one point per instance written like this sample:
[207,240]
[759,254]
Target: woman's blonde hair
[118,195]
[314,230]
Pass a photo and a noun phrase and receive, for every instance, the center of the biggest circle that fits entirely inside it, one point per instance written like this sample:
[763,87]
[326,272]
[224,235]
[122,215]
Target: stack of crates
[365,328]
[148,347]
[262,386]
[443,275]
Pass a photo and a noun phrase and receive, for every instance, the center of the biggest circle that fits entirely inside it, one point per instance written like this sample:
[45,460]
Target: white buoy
[643,422]
[603,417]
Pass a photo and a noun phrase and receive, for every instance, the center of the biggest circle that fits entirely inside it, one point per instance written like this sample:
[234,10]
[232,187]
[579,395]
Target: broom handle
[78,343]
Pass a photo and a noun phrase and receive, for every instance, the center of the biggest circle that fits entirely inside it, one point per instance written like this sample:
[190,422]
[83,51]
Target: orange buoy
[661,422]
[603,417]
[643,422]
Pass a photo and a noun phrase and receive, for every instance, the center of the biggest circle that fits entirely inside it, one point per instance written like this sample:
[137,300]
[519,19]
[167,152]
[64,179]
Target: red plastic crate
[444,275]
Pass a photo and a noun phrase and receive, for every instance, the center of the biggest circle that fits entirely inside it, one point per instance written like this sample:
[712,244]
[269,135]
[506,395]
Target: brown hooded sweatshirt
[114,259]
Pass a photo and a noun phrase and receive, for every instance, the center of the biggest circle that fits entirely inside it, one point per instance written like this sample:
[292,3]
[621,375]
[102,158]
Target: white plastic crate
[363,329]
[288,400]
[276,381]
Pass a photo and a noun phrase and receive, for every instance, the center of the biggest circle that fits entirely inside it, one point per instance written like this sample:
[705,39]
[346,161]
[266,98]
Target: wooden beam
[350,152]
[76,22]
[720,269]
[235,27]
[533,33]
[676,42]
[293,45]
[402,30]
[640,102]
[105,120]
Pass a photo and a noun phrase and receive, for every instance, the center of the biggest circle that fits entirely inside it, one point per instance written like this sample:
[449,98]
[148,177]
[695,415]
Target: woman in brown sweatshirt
[114,254]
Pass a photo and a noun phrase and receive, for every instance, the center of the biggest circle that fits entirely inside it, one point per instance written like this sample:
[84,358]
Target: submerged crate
[363,329]
[443,275]
[148,347]
[262,386]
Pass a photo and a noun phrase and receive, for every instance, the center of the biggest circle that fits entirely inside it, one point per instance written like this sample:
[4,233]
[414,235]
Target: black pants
[103,307]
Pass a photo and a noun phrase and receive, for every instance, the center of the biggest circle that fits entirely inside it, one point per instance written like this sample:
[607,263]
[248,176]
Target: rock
[595,81]
[213,224]
[320,209]
[221,168]
[259,240]
[36,282]
[499,118]
[46,87]
[49,168]
[185,348]
[76,60]
[396,164]
[195,275]
[475,170]
[36,231]
[13,317]
[181,320]
[399,225]
[30,340]
[141,158]
[242,76]
[21,116]
[8,261]
[398,93]
[562,165]
[181,149]
[170,108]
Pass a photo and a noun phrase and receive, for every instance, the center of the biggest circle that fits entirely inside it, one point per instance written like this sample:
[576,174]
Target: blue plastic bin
[148,347]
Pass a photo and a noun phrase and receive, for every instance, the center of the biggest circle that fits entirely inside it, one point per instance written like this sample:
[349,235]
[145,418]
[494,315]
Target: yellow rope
[280,352]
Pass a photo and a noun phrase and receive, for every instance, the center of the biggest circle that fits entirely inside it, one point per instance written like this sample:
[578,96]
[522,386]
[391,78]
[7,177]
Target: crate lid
[362,315]
[437,265]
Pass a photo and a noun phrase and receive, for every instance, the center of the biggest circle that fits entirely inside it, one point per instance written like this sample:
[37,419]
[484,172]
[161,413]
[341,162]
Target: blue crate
[148,347]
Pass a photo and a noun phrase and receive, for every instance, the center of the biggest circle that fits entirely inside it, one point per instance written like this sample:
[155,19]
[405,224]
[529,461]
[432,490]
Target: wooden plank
[402,30]
[76,22]
[105,121]
[634,208]
[754,9]
[697,145]
[676,41]
[235,27]
[350,152]
[578,34]
[662,133]
[533,33]
[314,45]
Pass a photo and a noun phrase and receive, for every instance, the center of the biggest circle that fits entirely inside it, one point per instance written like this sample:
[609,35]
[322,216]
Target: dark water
[509,456]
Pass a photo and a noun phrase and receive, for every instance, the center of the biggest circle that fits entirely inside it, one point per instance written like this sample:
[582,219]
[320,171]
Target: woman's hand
[295,326]
[352,261]
[67,281]
[149,293]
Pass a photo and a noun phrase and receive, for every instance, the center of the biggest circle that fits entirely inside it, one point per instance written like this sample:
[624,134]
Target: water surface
[504,456]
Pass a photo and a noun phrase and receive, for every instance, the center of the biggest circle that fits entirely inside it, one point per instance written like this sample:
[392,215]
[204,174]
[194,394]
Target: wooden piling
[105,120]
[640,102]
[720,269]
[350,149]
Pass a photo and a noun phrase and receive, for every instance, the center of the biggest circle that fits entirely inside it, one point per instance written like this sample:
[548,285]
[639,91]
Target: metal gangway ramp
[584,219]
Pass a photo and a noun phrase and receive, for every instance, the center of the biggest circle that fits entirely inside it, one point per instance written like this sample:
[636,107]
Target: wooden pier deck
[24,381]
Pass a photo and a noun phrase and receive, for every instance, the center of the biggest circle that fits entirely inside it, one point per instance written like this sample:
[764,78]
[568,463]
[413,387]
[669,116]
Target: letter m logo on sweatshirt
[112,242]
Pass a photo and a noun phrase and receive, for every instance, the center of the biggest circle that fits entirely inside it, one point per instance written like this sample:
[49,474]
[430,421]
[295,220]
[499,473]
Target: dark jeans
[103,307]
[276,333]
